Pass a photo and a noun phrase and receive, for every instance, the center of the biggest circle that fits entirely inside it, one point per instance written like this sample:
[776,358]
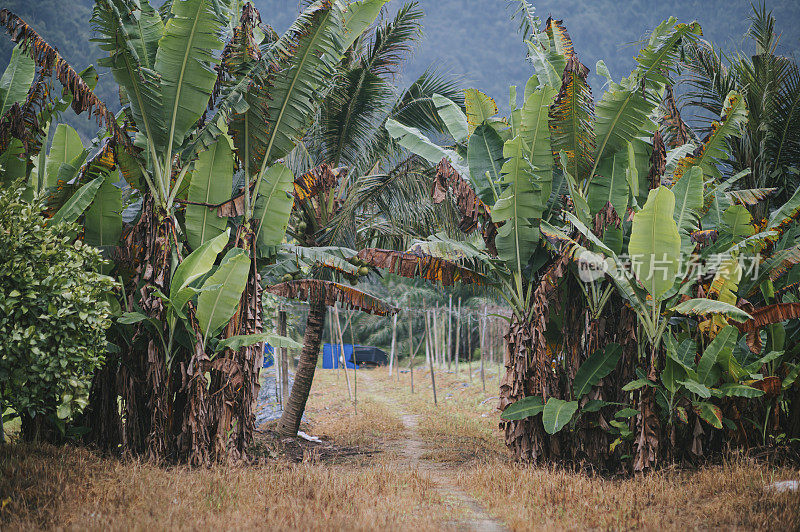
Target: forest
[577,274]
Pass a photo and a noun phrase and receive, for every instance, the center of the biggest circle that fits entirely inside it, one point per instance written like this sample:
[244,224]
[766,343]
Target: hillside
[477,42]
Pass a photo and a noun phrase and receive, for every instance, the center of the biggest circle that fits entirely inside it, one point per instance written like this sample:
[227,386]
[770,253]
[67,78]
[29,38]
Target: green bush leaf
[78,202]
[720,347]
[655,243]
[638,383]
[198,263]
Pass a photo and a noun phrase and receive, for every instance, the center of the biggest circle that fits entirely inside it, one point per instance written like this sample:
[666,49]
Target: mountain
[474,39]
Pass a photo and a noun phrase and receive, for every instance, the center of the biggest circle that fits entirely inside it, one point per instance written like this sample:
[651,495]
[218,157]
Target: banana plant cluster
[635,326]
[186,193]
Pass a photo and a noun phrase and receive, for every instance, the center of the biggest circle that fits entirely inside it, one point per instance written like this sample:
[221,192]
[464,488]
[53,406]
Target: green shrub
[53,312]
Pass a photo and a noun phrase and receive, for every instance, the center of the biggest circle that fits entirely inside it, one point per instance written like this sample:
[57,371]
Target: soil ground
[393,461]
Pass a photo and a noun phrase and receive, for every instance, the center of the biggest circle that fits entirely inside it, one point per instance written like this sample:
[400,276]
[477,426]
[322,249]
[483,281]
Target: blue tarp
[365,355]
[269,356]
[330,356]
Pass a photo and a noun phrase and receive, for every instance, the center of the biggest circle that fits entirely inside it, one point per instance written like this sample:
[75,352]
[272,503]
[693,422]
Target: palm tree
[770,84]
[375,197]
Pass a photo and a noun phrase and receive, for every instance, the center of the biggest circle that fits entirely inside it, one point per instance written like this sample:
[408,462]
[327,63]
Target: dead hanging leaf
[428,267]
[673,121]
[776,313]
[22,121]
[790,257]
[320,179]
[473,210]
[648,427]
[83,99]
[705,237]
[233,207]
[102,163]
[753,340]
[697,441]
[328,293]
[556,30]
[658,161]
[771,386]
[229,367]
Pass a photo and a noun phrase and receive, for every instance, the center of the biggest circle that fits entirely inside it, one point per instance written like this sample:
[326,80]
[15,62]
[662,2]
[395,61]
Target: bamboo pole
[501,356]
[430,359]
[276,365]
[469,344]
[332,342]
[482,339]
[458,334]
[355,362]
[341,351]
[411,351]
[449,347]
[284,360]
[394,338]
[436,337]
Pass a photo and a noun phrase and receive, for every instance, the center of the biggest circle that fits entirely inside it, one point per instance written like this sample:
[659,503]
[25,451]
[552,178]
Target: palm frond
[329,293]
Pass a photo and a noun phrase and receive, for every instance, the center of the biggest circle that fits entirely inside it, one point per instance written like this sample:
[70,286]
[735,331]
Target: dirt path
[412,448]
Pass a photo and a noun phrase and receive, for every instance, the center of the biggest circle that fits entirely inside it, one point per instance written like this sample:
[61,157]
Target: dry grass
[726,497]
[71,488]
[74,489]
[332,416]
[463,425]
[374,424]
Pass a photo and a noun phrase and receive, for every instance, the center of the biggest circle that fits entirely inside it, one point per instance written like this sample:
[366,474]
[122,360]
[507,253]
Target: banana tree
[556,145]
[180,102]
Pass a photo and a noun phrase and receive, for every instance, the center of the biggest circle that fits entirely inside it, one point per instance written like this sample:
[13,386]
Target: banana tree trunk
[234,381]
[142,378]
[290,420]
[528,371]
[102,414]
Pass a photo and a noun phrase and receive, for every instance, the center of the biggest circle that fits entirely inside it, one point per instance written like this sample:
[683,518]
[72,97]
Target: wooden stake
[394,337]
[341,351]
[482,339]
[430,359]
[284,360]
[449,332]
[411,351]
[458,333]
